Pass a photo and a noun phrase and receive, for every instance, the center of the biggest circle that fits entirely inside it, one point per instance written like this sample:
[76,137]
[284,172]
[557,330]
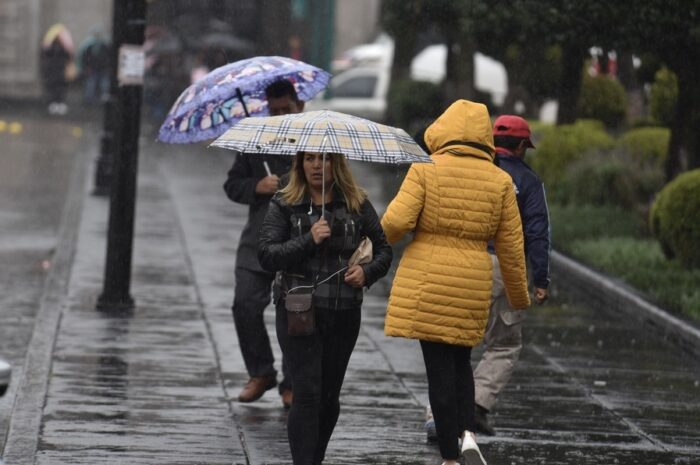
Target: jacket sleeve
[382,253]
[535,217]
[240,183]
[510,250]
[277,250]
[402,213]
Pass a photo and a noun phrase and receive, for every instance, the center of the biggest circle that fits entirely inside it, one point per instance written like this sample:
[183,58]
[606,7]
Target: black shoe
[482,422]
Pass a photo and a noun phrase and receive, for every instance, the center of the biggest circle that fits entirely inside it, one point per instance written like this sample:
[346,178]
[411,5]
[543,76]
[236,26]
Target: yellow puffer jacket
[442,289]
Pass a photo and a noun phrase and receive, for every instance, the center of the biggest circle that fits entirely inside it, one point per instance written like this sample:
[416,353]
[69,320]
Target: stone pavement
[158,385]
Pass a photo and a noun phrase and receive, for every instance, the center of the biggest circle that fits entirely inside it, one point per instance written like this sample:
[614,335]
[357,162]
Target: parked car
[362,85]
[359,91]
[5,373]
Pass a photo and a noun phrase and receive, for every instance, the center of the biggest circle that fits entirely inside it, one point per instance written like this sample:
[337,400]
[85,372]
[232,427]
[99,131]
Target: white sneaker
[470,451]
[429,425]
[5,373]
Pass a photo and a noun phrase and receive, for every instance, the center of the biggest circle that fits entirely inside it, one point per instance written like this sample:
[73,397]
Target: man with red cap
[503,339]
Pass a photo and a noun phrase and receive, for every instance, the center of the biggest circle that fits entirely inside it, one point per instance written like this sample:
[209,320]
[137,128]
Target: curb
[27,410]
[616,298]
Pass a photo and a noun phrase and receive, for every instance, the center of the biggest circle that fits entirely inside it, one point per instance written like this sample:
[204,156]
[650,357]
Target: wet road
[159,387]
[37,159]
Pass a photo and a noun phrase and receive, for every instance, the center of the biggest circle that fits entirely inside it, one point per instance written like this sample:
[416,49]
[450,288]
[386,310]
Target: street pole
[129,22]
[103,167]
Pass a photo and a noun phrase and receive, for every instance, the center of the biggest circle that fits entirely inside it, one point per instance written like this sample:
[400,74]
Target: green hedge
[561,146]
[573,222]
[612,177]
[646,145]
[664,96]
[675,218]
[602,98]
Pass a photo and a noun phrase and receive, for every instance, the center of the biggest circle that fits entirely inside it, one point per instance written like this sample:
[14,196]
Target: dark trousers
[451,393]
[317,364]
[251,297]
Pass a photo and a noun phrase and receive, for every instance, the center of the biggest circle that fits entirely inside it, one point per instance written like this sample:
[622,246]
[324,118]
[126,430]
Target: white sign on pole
[132,65]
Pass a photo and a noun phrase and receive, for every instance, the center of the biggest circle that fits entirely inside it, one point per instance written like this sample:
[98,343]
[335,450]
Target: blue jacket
[532,203]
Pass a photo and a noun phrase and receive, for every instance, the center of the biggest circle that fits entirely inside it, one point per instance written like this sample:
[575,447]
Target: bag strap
[324,259]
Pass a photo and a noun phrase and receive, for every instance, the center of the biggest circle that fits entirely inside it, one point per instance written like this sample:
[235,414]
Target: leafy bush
[413,103]
[560,146]
[675,218]
[647,145]
[602,98]
[640,263]
[664,96]
[573,222]
[611,178]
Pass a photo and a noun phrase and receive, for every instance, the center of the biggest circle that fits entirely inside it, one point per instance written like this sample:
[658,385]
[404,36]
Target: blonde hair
[297,187]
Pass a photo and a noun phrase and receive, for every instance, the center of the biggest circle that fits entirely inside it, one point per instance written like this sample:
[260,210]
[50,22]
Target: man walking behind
[253,180]
[503,338]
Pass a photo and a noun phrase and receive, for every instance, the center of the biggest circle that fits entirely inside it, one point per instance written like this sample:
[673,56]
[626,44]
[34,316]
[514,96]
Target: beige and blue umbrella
[323,132]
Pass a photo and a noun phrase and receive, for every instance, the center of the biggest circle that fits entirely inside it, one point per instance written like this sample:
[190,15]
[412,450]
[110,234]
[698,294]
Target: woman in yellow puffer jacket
[442,289]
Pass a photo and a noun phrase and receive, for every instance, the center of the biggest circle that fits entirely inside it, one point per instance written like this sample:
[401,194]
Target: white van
[362,88]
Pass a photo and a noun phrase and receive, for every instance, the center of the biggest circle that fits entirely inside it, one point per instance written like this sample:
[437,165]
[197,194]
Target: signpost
[129,24]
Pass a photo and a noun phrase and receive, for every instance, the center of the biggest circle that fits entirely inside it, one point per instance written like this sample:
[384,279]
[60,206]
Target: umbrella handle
[239,94]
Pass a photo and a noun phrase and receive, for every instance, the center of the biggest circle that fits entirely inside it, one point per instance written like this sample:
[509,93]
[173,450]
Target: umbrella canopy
[232,92]
[60,32]
[323,131]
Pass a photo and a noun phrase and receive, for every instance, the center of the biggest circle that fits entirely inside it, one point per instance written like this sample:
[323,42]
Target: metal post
[103,167]
[129,22]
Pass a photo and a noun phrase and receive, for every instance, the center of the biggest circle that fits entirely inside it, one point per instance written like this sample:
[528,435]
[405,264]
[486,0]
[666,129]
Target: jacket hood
[463,129]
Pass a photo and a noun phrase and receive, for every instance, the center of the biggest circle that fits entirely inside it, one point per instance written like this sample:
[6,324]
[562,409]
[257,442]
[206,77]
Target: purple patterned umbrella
[210,106]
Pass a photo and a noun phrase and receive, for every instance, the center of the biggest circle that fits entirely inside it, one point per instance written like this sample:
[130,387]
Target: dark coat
[245,173]
[532,204]
[286,245]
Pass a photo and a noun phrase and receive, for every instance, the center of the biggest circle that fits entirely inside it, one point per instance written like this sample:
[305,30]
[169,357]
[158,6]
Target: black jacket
[286,245]
[532,204]
[245,173]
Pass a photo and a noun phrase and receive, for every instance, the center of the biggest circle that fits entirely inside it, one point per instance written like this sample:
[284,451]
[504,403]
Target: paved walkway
[158,386]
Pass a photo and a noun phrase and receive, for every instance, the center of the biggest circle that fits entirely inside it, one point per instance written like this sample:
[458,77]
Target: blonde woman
[308,250]
[442,290]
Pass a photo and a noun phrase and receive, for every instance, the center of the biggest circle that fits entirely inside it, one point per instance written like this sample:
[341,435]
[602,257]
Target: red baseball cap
[511,125]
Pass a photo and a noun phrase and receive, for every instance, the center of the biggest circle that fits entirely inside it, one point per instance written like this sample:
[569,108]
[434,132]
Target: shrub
[664,96]
[611,177]
[641,263]
[602,98]
[560,146]
[675,218]
[572,222]
[646,145]
[414,103]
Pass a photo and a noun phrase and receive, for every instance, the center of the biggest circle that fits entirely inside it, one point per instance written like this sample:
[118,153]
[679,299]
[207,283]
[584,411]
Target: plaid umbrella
[323,131]
[232,92]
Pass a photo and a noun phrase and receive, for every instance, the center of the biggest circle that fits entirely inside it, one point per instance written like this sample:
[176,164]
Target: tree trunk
[628,78]
[684,146]
[459,78]
[570,84]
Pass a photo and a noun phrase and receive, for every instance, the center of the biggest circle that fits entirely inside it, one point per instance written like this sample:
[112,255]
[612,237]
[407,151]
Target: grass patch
[615,242]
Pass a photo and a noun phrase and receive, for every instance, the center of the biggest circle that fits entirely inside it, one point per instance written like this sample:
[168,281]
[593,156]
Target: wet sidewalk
[158,386]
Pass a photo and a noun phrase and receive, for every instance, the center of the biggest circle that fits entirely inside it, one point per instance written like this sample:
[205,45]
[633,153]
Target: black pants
[451,393]
[251,297]
[317,364]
